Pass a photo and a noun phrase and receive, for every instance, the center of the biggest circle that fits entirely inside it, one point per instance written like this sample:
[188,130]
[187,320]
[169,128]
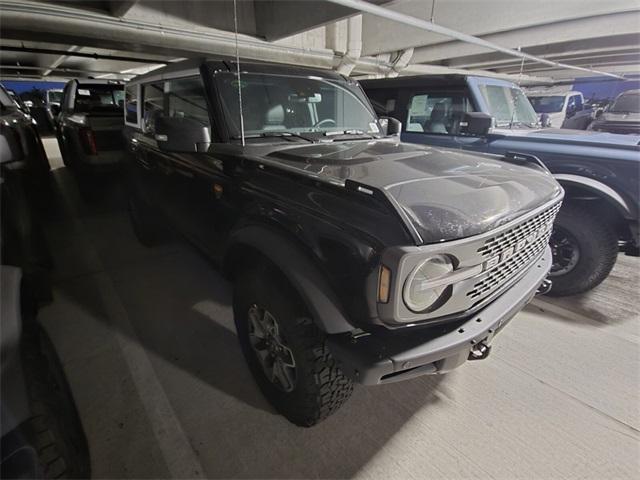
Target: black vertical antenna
[515,102]
[235,21]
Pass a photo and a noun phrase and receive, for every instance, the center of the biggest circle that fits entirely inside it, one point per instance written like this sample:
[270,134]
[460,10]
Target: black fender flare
[310,283]
[600,189]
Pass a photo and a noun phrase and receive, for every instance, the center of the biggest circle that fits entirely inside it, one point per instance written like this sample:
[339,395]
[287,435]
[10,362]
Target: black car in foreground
[623,116]
[354,257]
[20,140]
[42,436]
[600,172]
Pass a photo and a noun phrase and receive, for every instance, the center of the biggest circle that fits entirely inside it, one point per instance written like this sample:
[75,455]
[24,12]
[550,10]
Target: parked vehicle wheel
[144,221]
[584,249]
[285,350]
[54,430]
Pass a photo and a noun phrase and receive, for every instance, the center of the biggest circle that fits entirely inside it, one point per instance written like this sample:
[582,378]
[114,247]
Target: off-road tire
[598,245]
[54,430]
[144,221]
[320,387]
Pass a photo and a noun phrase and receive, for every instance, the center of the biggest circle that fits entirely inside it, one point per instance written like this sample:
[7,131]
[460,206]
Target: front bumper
[377,358]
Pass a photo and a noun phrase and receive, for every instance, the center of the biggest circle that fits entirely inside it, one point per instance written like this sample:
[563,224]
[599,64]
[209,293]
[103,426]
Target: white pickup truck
[560,108]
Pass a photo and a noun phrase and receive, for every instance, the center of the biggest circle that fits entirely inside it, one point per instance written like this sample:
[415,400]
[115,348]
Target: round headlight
[417,294]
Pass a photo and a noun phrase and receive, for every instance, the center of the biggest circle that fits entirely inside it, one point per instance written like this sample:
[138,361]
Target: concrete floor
[147,340]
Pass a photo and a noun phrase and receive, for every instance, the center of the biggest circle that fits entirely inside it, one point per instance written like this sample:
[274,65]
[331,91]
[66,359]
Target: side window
[578,102]
[153,105]
[186,99]
[131,104]
[437,113]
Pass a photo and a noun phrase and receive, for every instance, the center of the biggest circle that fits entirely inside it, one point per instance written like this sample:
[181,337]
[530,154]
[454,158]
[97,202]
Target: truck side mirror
[181,135]
[599,112]
[55,109]
[476,123]
[390,126]
[545,121]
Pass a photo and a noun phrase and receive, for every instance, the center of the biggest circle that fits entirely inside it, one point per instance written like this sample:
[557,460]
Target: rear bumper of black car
[373,359]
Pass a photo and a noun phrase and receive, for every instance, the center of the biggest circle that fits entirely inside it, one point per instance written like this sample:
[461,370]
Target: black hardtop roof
[229,64]
[630,92]
[417,80]
[96,81]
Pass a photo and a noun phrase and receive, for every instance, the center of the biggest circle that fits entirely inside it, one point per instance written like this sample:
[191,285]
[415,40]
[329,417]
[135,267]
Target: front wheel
[584,249]
[285,351]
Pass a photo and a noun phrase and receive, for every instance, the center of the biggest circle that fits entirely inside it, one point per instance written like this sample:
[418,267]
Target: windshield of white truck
[508,106]
[629,103]
[547,104]
[99,98]
[294,105]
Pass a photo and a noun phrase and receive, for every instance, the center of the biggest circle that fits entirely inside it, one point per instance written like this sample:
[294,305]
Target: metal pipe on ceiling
[94,55]
[382,12]
[63,21]
[61,69]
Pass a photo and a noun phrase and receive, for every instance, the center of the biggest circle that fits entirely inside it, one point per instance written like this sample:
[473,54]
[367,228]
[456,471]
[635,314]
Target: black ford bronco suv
[354,257]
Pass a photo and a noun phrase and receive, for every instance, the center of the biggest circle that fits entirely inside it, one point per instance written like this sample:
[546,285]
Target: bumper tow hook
[544,287]
[479,351]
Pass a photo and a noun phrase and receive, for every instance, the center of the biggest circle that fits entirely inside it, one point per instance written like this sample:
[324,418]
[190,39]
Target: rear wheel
[584,249]
[285,350]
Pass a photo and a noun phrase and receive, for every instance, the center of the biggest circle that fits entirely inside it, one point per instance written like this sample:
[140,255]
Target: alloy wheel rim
[565,250]
[274,356]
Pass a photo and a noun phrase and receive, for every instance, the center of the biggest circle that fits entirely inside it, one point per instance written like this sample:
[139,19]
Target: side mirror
[55,109]
[571,110]
[390,126]
[182,134]
[476,123]
[545,121]
[599,112]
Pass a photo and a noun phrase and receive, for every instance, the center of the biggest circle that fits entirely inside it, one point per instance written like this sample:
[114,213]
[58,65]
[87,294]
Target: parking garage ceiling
[119,39]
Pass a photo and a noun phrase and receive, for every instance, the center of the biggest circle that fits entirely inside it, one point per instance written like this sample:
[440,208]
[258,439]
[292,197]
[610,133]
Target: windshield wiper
[287,135]
[349,132]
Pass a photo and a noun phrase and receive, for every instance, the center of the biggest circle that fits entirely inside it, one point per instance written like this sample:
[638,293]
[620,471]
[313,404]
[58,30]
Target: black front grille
[511,237]
[524,243]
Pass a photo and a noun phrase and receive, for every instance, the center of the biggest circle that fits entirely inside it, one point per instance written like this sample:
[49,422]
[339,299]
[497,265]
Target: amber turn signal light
[384,284]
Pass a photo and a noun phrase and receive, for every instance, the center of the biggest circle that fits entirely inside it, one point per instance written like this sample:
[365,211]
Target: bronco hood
[444,194]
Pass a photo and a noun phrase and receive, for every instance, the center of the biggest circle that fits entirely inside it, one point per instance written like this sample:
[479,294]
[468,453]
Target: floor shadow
[179,308]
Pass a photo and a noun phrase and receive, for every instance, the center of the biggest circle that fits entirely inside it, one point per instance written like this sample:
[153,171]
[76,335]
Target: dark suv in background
[89,125]
[622,116]
[353,257]
[600,172]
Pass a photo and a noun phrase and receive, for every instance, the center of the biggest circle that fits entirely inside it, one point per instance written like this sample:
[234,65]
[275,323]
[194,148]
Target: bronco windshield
[547,104]
[509,106]
[282,104]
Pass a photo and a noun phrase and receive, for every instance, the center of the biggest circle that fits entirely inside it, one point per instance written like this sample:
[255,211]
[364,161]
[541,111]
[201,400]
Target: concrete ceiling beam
[574,30]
